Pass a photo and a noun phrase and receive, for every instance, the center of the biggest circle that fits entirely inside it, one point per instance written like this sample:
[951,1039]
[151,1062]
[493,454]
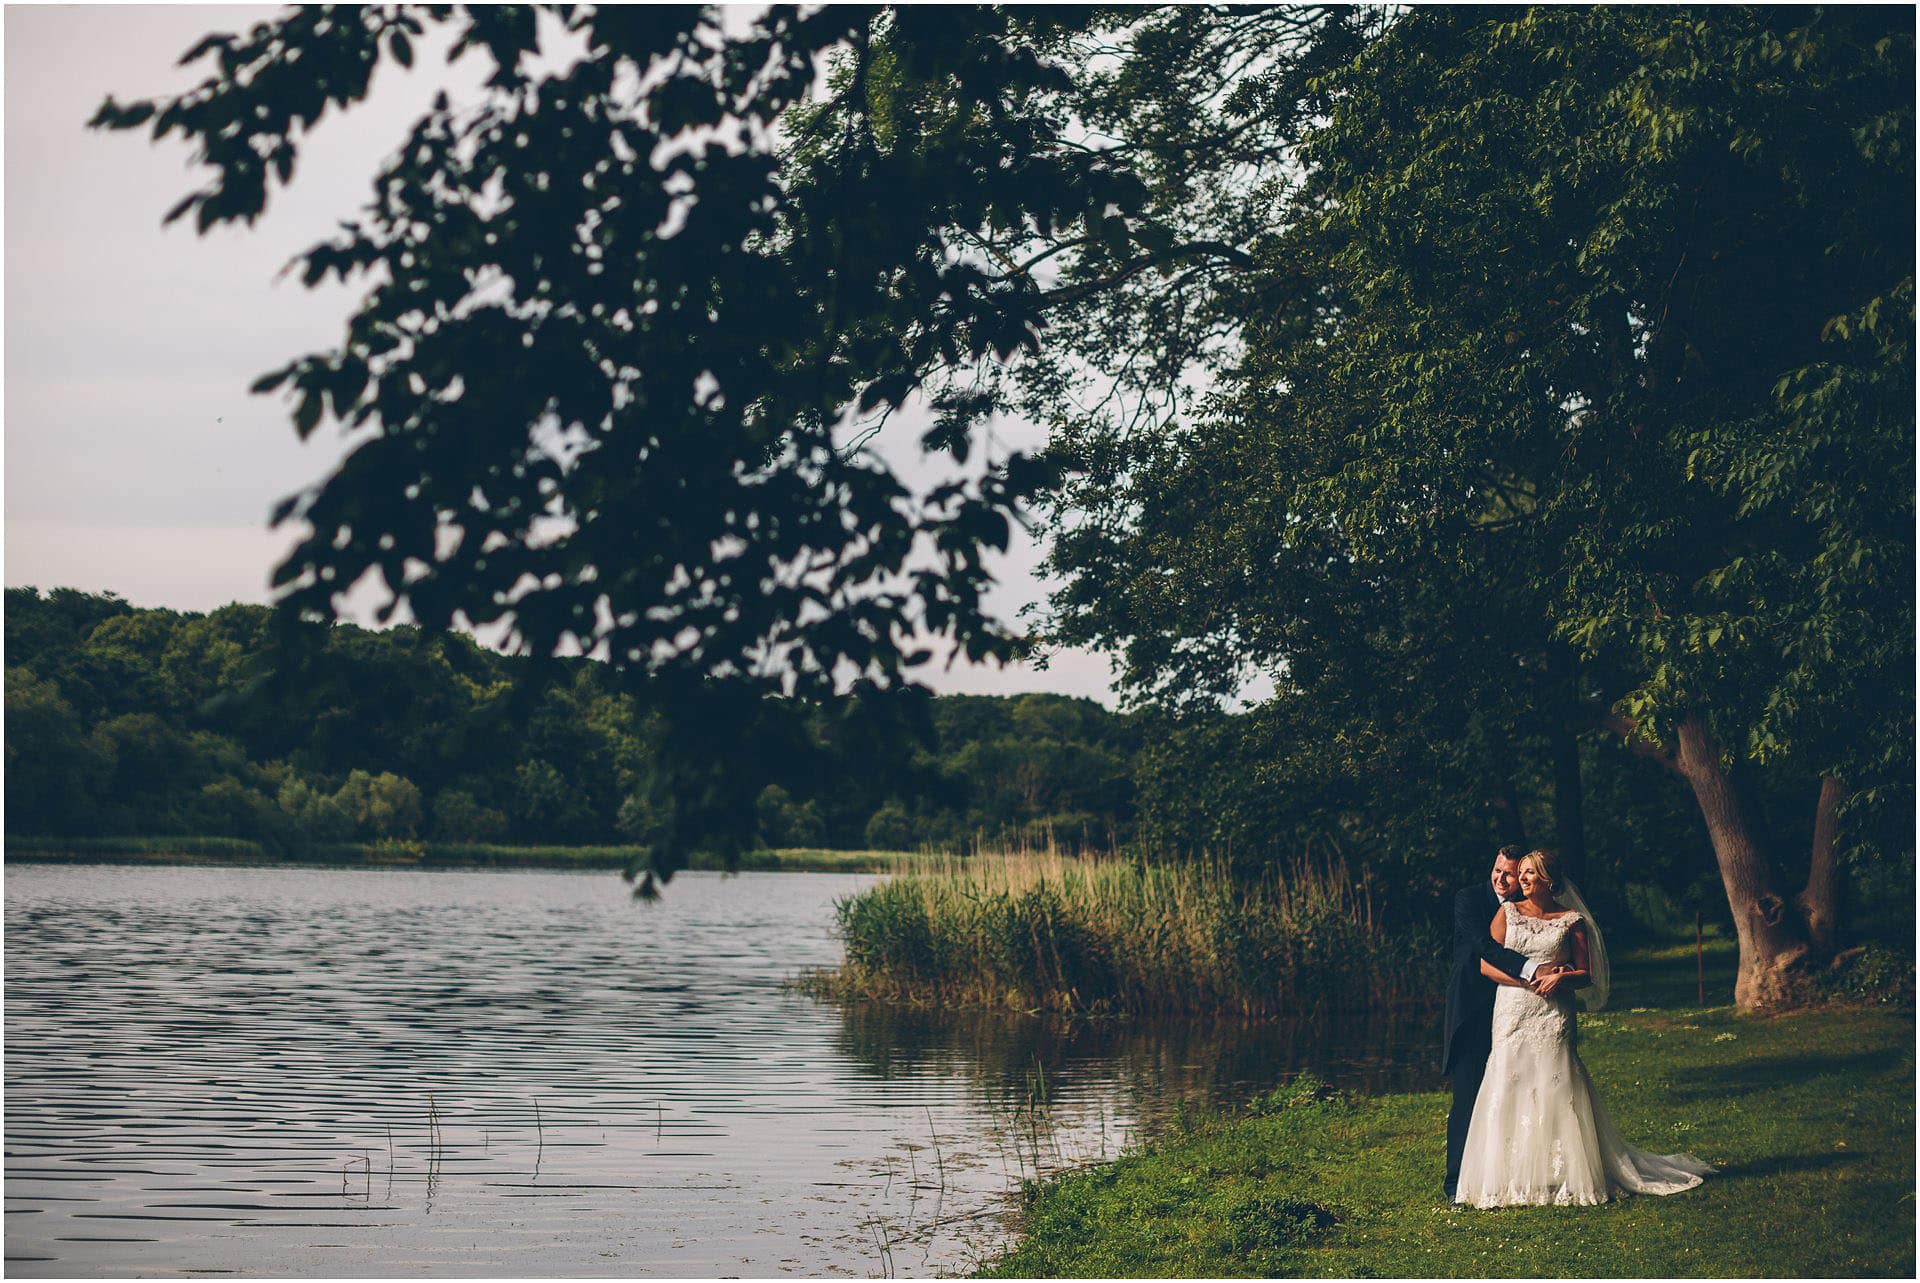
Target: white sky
[135,460]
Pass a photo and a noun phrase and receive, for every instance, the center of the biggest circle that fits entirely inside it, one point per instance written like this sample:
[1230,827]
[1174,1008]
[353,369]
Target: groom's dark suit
[1469,1036]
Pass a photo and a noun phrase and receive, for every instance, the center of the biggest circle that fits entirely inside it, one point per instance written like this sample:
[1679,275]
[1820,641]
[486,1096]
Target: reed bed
[156,847]
[1045,931]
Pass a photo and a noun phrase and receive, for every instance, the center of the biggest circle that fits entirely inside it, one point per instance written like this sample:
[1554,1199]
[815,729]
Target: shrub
[225,805]
[1873,974]
[640,820]
[783,823]
[1302,1091]
[459,817]
[313,816]
[380,806]
[891,828]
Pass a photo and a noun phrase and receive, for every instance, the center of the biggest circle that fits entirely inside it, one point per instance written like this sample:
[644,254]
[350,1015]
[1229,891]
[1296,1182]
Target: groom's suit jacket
[1470,994]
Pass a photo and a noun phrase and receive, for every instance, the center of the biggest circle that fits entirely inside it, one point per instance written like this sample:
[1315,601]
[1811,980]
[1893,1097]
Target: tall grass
[1038,930]
[161,846]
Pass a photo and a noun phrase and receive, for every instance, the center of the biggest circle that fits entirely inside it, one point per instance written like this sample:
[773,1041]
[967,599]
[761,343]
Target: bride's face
[1533,885]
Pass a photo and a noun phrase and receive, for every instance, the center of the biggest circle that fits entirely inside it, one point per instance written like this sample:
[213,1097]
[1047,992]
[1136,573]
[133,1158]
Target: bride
[1539,1133]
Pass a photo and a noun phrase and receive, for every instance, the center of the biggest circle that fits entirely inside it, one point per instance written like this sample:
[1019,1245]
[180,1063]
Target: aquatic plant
[1042,930]
[189,846]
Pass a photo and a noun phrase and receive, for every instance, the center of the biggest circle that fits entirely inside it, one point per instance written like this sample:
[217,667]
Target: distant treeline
[134,721]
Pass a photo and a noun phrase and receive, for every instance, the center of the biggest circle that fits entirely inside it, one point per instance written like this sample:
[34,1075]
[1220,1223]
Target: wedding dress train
[1539,1132]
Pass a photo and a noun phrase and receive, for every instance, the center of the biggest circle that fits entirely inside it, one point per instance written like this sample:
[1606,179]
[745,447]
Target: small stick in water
[936,1148]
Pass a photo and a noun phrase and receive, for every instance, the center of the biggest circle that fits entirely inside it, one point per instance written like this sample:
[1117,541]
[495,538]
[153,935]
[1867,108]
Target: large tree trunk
[1569,812]
[1503,798]
[1819,903]
[1569,806]
[1773,941]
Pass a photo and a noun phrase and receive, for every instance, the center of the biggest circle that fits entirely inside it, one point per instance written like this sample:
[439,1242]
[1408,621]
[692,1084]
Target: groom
[1469,1034]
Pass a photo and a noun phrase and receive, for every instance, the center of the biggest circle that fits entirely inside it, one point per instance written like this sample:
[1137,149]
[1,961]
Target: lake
[280,1071]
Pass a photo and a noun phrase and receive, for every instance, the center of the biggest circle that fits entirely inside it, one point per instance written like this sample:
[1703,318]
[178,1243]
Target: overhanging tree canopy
[1594,323]
[1599,320]
[625,312]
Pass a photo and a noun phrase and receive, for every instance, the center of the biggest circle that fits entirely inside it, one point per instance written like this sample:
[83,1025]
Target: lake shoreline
[1809,1116]
[452,856]
[520,1074]
[439,1043]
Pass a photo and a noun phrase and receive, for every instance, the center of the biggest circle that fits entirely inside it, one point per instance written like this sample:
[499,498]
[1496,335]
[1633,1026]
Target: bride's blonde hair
[1545,863]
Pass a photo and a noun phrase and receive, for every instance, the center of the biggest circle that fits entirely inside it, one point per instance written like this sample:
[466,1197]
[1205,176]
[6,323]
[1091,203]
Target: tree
[1593,325]
[1690,310]
[459,817]
[546,805]
[313,816]
[783,822]
[228,805]
[38,626]
[1557,367]
[157,770]
[891,828]
[123,654]
[380,806]
[55,770]
[631,312]
[573,759]
[202,658]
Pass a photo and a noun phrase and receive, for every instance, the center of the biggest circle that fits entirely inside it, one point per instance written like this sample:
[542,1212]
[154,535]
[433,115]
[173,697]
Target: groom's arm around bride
[1470,994]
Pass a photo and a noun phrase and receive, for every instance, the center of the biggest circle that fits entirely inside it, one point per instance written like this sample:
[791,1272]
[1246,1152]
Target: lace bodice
[1540,939]
[1521,1014]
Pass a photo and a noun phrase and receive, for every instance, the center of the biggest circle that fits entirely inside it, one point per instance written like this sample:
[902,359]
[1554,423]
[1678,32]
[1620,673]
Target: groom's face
[1506,878]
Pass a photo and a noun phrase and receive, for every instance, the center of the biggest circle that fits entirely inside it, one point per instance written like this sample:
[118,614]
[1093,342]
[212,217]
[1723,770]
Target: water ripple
[286,1072]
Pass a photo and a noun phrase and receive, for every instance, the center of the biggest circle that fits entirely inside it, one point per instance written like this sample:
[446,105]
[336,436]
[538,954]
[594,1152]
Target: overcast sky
[135,460]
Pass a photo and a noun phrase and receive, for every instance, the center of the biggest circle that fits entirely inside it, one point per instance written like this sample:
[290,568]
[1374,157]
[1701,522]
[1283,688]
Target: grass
[163,848]
[819,860]
[1809,1116]
[1042,931]
[218,850]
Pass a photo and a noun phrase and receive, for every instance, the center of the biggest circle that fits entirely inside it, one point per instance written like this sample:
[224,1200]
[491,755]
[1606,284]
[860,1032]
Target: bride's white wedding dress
[1539,1133]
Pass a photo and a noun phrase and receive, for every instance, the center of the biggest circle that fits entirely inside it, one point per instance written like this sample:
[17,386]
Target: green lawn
[1809,1116]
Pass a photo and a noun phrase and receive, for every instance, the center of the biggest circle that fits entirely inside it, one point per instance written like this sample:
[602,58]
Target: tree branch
[1819,901]
[1226,254]
[1630,734]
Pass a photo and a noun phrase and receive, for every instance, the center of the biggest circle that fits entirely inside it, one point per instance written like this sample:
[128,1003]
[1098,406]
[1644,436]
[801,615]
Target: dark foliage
[125,721]
[1503,387]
